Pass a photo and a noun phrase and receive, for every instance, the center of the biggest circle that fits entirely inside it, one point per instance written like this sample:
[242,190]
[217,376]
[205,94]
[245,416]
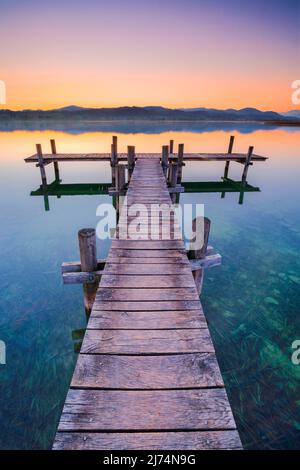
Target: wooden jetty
[147,376]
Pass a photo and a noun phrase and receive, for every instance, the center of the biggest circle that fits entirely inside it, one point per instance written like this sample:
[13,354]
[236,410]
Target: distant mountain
[147,113]
[295,113]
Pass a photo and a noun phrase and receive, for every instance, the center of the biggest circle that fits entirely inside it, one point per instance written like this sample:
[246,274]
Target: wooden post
[230,146]
[171,146]
[120,177]
[180,162]
[201,252]
[173,169]
[88,259]
[55,164]
[172,176]
[131,160]
[165,159]
[41,165]
[114,159]
[87,249]
[115,146]
[113,166]
[247,163]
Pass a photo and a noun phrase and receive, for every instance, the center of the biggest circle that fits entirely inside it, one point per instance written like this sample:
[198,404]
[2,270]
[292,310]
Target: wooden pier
[147,376]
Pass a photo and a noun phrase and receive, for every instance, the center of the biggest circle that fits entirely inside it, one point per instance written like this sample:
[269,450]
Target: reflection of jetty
[58,189]
[147,376]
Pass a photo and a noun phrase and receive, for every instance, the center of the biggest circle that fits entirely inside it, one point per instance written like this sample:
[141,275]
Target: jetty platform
[147,375]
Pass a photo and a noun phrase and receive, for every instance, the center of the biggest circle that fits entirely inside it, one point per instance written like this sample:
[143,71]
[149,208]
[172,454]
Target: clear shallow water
[252,302]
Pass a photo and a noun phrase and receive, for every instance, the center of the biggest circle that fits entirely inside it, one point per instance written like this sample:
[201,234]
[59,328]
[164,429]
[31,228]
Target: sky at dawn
[212,53]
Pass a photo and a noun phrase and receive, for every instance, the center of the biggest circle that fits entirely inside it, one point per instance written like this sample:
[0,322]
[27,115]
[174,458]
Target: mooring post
[55,164]
[171,146]
[180,162]
[41,165]
[131,160]
[230,147]
[88,259]
[165,159]
[247,163]
[200,224]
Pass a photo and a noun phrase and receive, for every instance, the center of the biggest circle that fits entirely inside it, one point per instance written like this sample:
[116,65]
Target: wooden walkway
[77,157]
[147,376]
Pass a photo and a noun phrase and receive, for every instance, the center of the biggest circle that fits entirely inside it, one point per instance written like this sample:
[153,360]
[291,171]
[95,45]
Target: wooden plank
[146,341]
[146,410]
[118,294]
[143,269]
[143,261]
[138,281]
[147,372]
[193,440]
[147,320]
[151,305]
[148,253]
[149,245]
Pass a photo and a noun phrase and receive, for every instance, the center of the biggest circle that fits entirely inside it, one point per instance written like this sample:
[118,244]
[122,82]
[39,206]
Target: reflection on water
[251,302]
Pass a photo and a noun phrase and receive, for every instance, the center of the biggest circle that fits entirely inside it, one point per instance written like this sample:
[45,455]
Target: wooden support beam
[200,253]
[171,146]
[75,266]
[55,164]
[82,277]
[209,261]
[131,160]
[247,164]
[165,159]
[41,165]
[230,147]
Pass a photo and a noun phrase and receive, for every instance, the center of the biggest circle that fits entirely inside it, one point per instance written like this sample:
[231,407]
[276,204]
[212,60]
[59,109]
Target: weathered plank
[198,370]
[146,306]
[139,281]
[182,261]
[192,440]
[101,410]
[176,293]
[148,253]
[147,320]
[143,269]
[146,341]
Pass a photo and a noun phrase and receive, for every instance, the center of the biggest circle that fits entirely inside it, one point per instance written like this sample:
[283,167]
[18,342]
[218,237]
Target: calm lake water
[252,302]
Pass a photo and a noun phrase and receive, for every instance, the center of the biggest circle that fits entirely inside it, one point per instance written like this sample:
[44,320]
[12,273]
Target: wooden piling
[131,160]
[115,146]
[41,165]
[230,147]
[55,164]
[165,159]
[88,259]
[120,177]
[180,162]
[247,164]
[87,249]
[114,159]
[201,252]
[171,146]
